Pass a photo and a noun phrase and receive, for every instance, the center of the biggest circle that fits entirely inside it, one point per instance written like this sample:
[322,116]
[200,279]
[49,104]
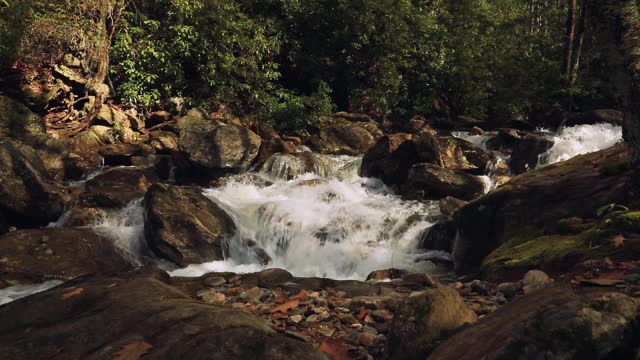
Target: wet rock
[449,205]
[440,236]
[215,281]
[451,153]
[380,275]
[428,181]
[390,159]
[218,148]
[34,256]
[424,319]
[270,278]
[509,289]
[117,187]
[134,315]
[111,116]
[28,196]
[520,211]
[551,323]
[603,116]
[289,166]
[184,226]
[340,136]
[121,154]
[524,148]
[164,142]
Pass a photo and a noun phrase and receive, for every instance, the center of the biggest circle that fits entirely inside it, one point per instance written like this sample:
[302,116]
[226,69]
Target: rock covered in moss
[552,323]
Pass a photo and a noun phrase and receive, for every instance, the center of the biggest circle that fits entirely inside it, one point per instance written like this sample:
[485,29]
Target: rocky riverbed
[220,238]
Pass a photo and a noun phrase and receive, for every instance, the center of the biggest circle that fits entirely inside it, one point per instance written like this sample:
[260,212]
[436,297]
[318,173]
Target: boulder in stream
[428,181]
[345,135]
[184,226]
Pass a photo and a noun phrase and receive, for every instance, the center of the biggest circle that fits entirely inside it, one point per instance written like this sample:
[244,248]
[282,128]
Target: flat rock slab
[132,315]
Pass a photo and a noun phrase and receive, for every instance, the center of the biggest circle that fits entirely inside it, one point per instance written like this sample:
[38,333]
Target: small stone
[252,294]
[295,319]
[214,281]
[509,289]
[320,302]
[367,339]
[356,326]
[324,315]
[369,319]
[348,319]
[292,287]
[237,305]
[480,287]
[535,280]
[343,310]
[318,310]
[212,297]
[326,331]
[48,252]
[500,298]
[312,319]
[370,329]
[381,315]
[296,335]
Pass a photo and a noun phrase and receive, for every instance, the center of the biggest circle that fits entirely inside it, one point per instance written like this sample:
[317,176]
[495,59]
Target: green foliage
[292,113]
[204,49]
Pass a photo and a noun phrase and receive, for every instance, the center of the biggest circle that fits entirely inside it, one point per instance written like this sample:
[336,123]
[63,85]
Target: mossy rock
[559,253]
[627,221]
[573,226]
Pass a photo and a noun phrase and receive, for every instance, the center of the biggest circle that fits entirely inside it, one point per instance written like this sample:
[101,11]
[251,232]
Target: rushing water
[581,139]
[337,225]
[16,292]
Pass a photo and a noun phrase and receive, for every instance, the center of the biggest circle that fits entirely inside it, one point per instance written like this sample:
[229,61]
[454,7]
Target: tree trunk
[577,45]
[569,41]
[620,21]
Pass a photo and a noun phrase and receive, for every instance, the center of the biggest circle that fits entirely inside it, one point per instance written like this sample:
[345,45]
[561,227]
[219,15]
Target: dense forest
[320,179]
[290,61]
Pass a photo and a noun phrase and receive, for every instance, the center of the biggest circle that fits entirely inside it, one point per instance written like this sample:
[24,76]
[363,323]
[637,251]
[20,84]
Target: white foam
[340,226]
[581,139]
[16,292]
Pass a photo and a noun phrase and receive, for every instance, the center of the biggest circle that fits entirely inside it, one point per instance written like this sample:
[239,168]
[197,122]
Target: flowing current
[328,222]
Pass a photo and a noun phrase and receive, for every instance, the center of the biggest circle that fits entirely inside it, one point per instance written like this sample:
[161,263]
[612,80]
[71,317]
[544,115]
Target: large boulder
[28,131]
[424,319]
[341,136]
[184,226]
[116,187]
[28,196]
[452,153]
[553,323]
[390,159]
[136,315]
[428,181]
[218,148]
[33,256]
[530,205]
[524,148]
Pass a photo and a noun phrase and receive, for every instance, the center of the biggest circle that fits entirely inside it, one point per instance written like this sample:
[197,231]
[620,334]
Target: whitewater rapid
[326,223]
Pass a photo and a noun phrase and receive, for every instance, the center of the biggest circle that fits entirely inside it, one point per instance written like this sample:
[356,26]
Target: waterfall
[329,223]
[580,139]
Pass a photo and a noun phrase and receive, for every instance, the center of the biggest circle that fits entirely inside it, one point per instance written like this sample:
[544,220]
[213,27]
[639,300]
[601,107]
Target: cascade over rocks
[428,181]
[529,204]
[184,226]
[212,146]
[28,196]
[423,319]
[553,323]
[288,166]
[523,147]
[132,315]
[340,135]
[34,256]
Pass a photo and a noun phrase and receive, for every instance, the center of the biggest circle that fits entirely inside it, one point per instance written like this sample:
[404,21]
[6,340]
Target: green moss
[615,166]
[628,221]
[547,251]
[572,226]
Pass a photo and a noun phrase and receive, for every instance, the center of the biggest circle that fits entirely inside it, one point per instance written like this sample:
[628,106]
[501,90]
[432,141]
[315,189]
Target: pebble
[326,331]
[534,280]
[509,289]
[296,335]
[312,318]
[382,315]
[214,281]
[295,319]
[370,329]
[343,310]
[348,319]
[367,339]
